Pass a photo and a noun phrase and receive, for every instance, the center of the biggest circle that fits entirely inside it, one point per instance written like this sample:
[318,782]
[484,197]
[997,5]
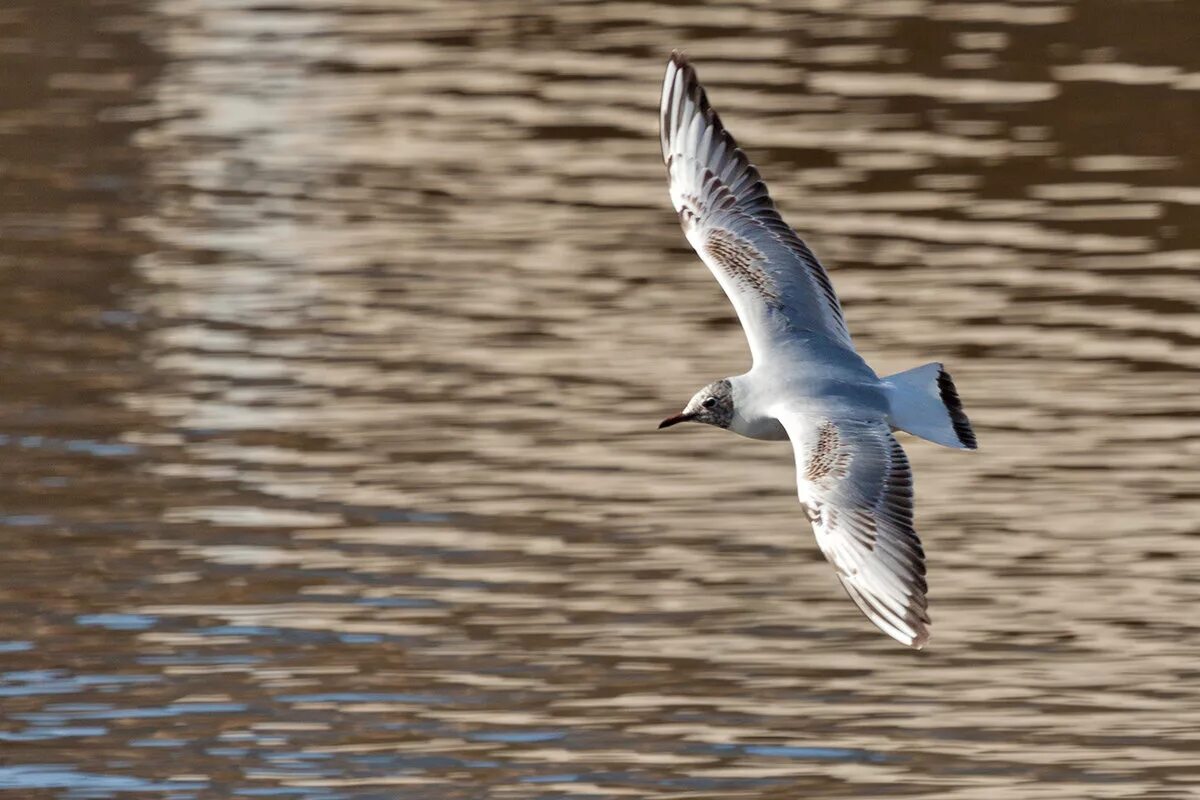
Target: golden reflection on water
[338,335]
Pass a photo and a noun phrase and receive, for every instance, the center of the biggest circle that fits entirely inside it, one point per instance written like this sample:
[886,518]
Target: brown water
[335,335]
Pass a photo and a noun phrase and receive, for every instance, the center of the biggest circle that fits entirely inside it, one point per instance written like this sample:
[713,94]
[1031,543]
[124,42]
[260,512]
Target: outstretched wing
[776,284]
[856,486]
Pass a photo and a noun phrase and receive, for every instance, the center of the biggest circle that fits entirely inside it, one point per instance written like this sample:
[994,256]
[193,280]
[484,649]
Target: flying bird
[807,382]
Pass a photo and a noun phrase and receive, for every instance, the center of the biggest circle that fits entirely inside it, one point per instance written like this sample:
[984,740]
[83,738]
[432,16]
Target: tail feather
[958,417]
[925,403]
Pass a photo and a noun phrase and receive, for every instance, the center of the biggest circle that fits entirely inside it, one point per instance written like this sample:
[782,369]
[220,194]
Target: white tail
[925,403]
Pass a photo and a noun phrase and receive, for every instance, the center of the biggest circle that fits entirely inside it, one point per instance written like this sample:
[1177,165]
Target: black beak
[675,420]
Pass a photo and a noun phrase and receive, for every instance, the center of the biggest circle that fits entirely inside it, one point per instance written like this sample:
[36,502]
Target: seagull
[807,382]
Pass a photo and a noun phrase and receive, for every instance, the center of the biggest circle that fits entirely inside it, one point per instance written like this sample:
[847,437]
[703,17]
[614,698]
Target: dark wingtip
[958,417]
[921,639]
[690,80]
[692,87]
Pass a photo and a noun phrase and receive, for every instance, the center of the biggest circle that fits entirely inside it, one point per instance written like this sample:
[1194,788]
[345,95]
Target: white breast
[759,427]
[750,404]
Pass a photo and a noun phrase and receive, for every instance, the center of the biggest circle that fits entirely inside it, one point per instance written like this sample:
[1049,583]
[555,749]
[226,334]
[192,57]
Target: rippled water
[335,338]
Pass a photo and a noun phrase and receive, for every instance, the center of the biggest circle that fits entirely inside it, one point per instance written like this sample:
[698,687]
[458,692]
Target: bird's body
[808,383]
[819,380]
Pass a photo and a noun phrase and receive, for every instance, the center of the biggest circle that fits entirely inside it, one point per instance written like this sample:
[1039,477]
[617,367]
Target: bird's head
[712,405]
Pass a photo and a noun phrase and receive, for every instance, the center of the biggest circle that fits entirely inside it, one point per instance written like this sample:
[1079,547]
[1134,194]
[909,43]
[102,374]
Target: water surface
[335,338]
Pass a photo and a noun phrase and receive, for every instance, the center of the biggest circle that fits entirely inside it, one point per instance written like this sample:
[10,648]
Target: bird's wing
[776,284]
[857,489]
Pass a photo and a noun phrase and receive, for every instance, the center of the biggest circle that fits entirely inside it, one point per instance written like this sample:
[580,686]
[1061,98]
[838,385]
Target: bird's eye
[710,403]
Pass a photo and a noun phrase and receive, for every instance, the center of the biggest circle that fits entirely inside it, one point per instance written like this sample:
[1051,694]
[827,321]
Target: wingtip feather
[911,630]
